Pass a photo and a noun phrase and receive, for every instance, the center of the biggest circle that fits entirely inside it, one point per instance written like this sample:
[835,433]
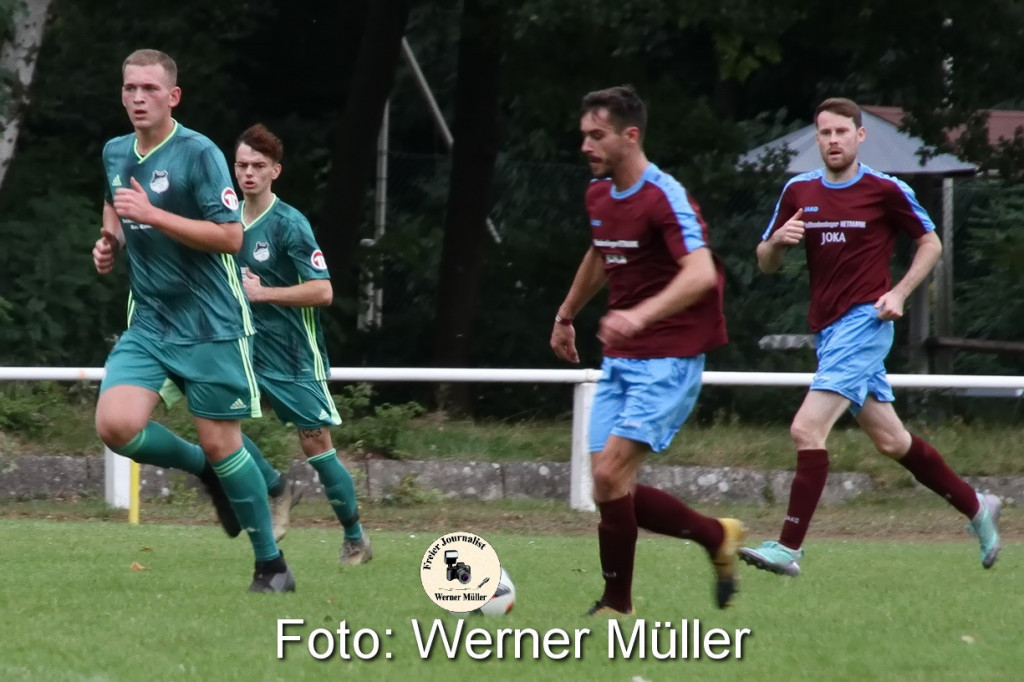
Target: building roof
[885,148]
[1002,124]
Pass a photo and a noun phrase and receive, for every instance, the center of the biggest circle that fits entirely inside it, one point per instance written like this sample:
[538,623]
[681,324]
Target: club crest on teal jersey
[262,252]
[160,182]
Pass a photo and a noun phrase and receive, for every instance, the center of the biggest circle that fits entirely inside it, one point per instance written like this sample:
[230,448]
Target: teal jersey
[179,295]
[281,250]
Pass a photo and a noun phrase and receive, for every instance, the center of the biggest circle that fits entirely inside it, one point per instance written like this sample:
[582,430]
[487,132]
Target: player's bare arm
[313,293]
[588,281]
[926,255]
[132,203]
[771,251]
[697,275]
[104,252]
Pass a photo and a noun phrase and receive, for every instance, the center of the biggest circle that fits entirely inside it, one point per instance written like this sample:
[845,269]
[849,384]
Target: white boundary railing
[118,482]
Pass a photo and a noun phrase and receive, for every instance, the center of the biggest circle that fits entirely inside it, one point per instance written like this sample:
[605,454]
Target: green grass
[74,609]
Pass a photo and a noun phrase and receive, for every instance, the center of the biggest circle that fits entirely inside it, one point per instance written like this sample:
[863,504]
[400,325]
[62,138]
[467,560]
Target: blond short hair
[153,58]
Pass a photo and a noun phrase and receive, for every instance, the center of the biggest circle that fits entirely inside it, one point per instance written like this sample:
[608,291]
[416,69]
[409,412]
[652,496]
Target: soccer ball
[504,597]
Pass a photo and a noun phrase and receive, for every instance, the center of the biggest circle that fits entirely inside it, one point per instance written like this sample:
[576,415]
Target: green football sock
[275,482]
[246,489]
[158,446]
[341,491]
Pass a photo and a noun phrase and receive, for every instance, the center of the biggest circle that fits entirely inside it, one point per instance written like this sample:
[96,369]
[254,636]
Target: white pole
[581,482]
[117,479]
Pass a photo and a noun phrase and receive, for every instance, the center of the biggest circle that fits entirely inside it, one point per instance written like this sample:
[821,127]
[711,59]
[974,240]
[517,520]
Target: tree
[22,39]
[477,98]
[355,139]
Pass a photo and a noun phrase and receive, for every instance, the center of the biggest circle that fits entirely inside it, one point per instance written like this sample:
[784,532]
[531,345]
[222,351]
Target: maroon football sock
[660,512]
[928,467]
[616,536]
[808,483]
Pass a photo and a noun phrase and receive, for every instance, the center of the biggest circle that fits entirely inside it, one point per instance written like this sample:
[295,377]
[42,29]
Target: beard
[841,163]
[601,169]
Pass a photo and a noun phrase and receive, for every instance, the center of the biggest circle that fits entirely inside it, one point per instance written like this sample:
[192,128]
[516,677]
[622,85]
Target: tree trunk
[477,96]
[18,58]
[355,142]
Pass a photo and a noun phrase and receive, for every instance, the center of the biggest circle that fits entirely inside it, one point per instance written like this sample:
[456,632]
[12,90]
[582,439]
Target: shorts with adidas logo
[216,376]
[303,404]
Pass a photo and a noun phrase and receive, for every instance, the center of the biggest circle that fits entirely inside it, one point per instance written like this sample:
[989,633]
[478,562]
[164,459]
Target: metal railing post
[117,480]
[581,482]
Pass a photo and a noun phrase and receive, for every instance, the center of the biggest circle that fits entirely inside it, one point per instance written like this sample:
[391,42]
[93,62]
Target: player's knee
[806,435]
[117,430]
[217,446]
[604,480]
[891,444]
[610,481]
[317,444]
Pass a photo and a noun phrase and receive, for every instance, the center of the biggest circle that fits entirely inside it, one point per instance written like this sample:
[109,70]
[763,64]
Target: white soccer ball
[504,597]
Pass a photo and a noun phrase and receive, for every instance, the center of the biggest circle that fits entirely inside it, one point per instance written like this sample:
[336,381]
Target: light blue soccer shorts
[644,400]
[851,357]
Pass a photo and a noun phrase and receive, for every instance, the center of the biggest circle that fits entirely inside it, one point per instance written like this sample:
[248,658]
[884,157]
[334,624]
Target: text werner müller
[636,640]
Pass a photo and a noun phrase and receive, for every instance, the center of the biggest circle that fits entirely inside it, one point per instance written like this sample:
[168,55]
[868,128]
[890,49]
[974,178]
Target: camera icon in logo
[456,571]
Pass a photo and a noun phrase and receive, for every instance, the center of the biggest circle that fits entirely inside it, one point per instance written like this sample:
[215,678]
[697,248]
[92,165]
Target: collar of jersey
[851,181]
[241,212]
[630,191]
[135,144]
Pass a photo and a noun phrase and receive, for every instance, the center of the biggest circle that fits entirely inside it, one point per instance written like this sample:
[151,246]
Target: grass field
[887,608]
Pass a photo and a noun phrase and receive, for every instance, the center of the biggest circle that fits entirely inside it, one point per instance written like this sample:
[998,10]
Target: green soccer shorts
[303,404]
[217,376]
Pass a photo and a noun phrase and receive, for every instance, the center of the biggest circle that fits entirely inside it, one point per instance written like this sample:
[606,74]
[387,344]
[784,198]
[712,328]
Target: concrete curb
[55,476]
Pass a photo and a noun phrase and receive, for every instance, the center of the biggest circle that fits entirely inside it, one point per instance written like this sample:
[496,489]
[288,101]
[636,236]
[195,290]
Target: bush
[368,428]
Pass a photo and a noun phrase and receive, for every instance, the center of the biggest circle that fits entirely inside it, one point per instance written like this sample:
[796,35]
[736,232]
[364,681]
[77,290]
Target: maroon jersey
[642,232]
[850,233]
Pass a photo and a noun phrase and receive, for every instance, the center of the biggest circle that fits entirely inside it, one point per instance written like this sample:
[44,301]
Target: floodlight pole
[371,315]
[435,112]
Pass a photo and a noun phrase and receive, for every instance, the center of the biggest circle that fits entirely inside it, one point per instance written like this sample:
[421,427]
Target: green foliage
[718,78]
[370,428]
[988,293]
[5,311]
[23,408]
[7,10]
[54,300]
[49,415]
[278,443]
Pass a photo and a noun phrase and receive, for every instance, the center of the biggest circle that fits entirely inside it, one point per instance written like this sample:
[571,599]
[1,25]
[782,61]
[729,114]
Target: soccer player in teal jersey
[286,280]
[171,205]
